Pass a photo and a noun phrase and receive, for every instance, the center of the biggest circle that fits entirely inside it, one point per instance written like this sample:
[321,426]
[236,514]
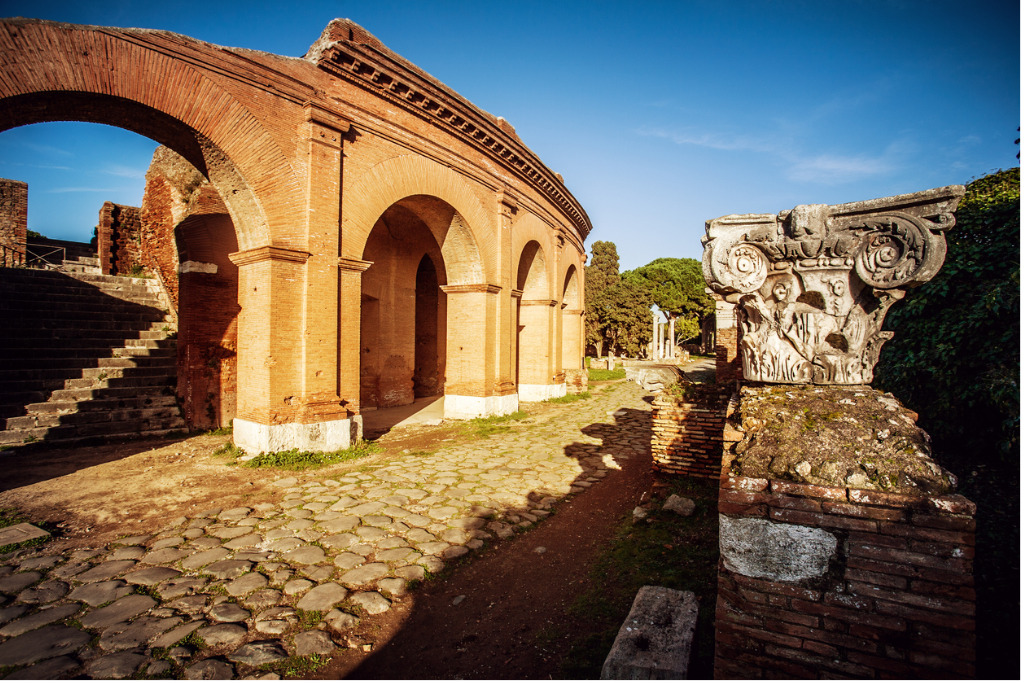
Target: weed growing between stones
[665,549]
[570,398]
[297,667]
[308,619]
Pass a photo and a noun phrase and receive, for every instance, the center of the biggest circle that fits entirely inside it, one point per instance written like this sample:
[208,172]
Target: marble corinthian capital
[812,285]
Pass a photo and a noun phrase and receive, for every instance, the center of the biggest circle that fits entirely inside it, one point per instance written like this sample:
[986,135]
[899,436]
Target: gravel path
[224,593]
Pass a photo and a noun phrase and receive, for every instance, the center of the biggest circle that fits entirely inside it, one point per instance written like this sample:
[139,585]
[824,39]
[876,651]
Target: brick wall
[13,218]
[728,366]
[119,239]
[896,600]
[687,431]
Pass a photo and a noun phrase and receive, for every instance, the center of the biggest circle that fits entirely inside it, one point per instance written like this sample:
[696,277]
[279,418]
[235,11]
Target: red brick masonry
[898,600]
[687,432]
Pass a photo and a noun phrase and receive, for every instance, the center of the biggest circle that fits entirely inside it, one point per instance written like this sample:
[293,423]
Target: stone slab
[656,639]
[19,533]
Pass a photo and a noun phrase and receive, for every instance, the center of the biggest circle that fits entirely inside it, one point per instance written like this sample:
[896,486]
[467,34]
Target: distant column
[654,337]
[672,338]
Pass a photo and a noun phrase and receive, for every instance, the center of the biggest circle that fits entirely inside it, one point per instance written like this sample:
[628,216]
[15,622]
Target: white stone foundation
[255,438]
[467,407]
[531,393]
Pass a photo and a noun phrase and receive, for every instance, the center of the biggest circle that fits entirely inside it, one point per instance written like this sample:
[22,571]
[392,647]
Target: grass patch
[496,424]
[666,550]
[309,619]
[221,431]
[298,667]
[602,375]
[570,398]
[297,460]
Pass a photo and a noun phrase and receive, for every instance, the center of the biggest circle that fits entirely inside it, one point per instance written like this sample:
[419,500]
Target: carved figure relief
[812,285]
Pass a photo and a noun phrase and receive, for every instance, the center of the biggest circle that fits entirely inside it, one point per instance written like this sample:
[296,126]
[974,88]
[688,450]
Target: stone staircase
[84,355]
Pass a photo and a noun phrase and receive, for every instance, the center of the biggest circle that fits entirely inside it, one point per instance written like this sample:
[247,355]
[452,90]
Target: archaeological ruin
[338,232]
[845,549]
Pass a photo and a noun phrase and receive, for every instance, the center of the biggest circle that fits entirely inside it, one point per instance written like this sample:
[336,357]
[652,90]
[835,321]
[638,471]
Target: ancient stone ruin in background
[811,286]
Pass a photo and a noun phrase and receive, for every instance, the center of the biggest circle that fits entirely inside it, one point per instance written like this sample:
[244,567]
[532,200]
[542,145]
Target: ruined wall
[119,239]
[687,431]
[187,235]
[13,219]
[576,381]
[840,580]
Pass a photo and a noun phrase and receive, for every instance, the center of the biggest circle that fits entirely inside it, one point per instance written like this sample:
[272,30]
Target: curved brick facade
[332,178]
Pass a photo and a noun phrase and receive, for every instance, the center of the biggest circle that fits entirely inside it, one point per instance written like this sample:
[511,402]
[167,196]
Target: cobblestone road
[224,593]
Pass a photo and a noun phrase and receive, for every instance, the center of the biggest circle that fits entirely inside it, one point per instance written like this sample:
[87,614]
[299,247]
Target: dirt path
[494,617]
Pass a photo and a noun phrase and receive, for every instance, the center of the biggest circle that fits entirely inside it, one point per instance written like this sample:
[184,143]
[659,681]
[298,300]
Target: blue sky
[660,115]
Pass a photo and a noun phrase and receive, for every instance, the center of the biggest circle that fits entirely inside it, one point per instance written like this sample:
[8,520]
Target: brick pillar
[13,221]
[507,331]
[289,372]
[471,387]
[350,273]
[319,397]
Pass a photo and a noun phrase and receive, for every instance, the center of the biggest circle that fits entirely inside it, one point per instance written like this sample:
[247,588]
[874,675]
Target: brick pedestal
[819,581]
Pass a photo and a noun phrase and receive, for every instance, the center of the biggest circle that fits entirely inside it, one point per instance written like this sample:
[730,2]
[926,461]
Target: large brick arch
[401,177]
[61,72]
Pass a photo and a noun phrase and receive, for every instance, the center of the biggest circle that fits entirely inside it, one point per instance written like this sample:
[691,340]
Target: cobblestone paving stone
[226,591]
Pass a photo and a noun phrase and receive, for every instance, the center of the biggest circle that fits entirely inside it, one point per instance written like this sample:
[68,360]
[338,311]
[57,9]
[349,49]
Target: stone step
[69,434]
[61,303]
[91,348]
[52,413]
[112,393]
[110,380]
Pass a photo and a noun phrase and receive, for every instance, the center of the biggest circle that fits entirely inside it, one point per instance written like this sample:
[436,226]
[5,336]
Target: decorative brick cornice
[466,289]
[538,302]
[354,264]
[260,254]
[385,74]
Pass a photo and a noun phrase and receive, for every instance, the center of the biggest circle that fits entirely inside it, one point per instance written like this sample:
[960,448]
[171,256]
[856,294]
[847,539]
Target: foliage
[618,316]
[677,286]
[664,550]
[304,460]
[955,358]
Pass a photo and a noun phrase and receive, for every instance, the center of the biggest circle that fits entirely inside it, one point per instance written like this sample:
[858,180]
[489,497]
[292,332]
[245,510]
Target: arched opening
[428,379]
[181,239]
[572,359]
[533,315]
[403,326]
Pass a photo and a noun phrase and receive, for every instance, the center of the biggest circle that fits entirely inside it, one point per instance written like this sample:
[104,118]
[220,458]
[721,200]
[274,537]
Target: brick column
[289,372]
[350,273]
[471,387]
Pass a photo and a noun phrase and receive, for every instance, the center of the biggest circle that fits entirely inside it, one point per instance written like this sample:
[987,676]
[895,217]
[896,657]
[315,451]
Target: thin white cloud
[46,149]
[833,169]
[124,171]
[814,167]
[718,141]
[66,190]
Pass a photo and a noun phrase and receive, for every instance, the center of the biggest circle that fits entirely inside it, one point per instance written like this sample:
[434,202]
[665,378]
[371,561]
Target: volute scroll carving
[812,285]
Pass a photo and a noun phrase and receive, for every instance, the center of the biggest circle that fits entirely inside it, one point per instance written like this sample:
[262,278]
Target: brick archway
[307,155]
[402,177]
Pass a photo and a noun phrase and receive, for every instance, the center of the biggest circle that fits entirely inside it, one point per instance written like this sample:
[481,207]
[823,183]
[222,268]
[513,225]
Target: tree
[618,312]
[677,286]
[601,273]
[956,355]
